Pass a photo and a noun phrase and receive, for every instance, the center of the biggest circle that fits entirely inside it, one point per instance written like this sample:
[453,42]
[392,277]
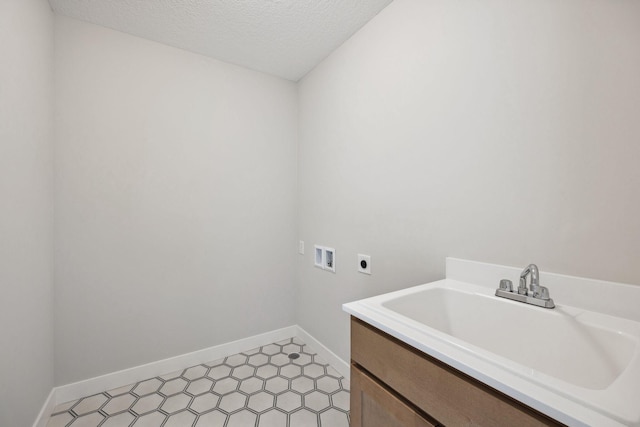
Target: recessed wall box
[330,259]
[319,256]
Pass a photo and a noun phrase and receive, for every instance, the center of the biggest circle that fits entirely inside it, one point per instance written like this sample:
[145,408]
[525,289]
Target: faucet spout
[533,271]
[535,274]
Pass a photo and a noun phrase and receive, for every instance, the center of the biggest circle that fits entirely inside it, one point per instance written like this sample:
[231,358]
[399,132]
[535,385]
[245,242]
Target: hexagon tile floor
[264,387]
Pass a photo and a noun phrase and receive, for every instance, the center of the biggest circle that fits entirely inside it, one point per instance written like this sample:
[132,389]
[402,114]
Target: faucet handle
[506,285]
[541,293]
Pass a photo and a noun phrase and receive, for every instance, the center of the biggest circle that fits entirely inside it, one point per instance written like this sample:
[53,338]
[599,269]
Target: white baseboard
[47,410]
[102,383]
[340,365]
[99,384]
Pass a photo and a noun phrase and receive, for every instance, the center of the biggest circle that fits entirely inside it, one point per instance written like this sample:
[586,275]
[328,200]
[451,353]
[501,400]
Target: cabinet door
[372,405]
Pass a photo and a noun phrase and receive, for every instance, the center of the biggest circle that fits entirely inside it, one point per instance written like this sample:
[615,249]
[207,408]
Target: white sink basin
[579,366]
[563,343]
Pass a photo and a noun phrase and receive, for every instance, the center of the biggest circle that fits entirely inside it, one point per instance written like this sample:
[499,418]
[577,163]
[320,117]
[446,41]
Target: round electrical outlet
[364,264]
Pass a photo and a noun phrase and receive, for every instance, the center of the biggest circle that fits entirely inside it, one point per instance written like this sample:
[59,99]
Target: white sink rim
[619,330]
[570,404]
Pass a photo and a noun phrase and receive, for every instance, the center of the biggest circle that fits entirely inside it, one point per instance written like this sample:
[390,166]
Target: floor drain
[294,356]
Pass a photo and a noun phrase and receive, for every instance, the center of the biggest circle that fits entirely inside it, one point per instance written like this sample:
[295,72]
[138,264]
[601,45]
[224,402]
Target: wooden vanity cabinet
[395,385]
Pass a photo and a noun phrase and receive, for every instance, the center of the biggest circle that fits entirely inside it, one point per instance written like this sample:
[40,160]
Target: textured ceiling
[282,37]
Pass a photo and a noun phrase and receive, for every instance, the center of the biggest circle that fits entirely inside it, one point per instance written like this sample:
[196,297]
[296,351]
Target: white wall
[176,201]
[26,209]
[500,131]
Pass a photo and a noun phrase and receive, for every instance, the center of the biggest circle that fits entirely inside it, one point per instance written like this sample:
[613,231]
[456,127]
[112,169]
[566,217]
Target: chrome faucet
[534,294]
